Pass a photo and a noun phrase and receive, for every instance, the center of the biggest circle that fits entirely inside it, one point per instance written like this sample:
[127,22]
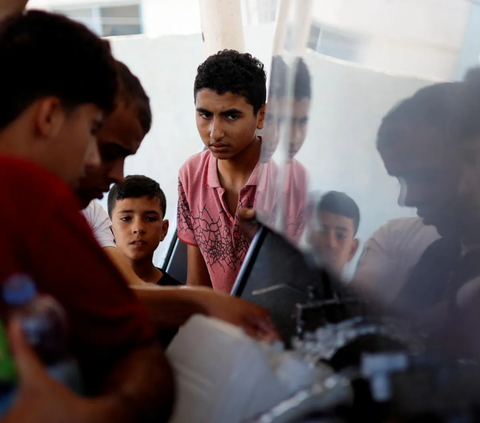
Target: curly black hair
[44,54]
[132,93]
[238,73]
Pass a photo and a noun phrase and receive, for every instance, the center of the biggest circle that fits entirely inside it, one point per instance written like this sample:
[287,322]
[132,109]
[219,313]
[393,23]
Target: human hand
[39,398]
[248,223]
[255,320]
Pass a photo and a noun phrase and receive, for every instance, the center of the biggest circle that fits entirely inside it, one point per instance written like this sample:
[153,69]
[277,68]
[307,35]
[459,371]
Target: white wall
[166,67]
[418,37]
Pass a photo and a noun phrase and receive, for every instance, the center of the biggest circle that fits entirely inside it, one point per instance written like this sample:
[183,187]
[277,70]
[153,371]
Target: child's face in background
[138,227]
[335,240]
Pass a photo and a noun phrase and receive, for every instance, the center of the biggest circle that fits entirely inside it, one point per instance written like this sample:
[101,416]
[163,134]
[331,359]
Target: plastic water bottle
[44,325]
[42,318]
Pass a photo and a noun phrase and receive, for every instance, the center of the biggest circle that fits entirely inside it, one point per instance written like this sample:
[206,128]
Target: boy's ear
[354,249]
[261,117]
[165,225]
[49,117]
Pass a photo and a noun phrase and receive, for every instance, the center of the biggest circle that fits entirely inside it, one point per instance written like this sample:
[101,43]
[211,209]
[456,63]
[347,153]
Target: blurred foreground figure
[416,149]
[49,119]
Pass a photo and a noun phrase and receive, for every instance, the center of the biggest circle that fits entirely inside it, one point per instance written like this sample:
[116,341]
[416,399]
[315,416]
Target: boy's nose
[216,131]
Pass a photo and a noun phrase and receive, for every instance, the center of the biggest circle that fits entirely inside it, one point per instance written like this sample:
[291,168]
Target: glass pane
[84,16]
[121,20]
[369,163]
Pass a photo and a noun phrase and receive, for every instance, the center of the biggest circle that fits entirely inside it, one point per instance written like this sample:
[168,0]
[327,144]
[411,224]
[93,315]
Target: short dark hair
[132,93]
[433,105]
[279,79]
[136,186]
[465,124]
[238,73]
[44,54]
[340,203]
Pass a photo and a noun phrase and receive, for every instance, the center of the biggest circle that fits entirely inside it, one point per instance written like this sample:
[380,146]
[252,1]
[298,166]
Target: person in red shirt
[55,91]
[230,94]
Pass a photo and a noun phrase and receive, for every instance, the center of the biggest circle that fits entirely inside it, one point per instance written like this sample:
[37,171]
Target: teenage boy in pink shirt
[230,96]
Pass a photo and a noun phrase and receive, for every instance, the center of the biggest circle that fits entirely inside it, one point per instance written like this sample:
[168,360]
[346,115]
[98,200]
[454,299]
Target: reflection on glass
[333,233]
[380,134]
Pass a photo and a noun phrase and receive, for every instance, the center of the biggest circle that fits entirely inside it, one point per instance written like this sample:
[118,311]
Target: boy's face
[226,122]
[119,137]
[138,227]
[427,170]
[335,241]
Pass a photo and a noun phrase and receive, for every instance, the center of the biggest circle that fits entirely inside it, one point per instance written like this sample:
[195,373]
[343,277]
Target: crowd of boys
[65,131]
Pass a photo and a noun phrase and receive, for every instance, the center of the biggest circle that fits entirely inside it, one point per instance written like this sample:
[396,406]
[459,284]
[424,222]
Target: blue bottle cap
[18,290]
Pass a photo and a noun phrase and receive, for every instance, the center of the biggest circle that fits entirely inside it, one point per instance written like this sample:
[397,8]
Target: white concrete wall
[166,67]
[411,36]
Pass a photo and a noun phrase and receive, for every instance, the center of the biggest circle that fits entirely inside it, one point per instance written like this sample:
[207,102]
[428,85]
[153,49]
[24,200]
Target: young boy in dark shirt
[137,209]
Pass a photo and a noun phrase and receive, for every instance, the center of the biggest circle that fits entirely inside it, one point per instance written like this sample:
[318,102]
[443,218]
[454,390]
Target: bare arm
[197,274]
[171,307]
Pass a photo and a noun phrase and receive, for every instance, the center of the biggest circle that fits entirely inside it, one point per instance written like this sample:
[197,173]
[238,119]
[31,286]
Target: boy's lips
[138,243]
[218,146]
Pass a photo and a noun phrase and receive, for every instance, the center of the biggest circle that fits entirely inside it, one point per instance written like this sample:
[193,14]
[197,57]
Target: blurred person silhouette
[454,260]
[416,149]
[49,121]
[283,108]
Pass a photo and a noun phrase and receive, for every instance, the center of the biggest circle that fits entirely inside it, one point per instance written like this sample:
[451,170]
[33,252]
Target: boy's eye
[151,219]
[232,117]
[126,219]
[302,121]
[205,115]
[341,236]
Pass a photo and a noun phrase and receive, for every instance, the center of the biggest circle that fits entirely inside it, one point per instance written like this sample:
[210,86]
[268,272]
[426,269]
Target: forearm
[172,307]
[197,272]
[140,389]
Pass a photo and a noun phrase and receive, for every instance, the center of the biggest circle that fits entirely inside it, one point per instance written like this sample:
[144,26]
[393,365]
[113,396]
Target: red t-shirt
[44,235]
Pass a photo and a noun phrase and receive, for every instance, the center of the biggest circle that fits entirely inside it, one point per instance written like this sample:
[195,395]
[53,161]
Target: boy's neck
[237,171]
[146,270]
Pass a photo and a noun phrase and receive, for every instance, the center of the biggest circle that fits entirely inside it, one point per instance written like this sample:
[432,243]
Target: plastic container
[223,375]
[44,325]
[43,318]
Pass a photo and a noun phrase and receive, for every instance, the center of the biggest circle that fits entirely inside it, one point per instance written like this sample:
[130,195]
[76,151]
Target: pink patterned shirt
[203,218]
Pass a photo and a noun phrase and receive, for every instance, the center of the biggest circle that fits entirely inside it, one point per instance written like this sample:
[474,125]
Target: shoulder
[27,177]
[404,231]
[94,212]
[196,164]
